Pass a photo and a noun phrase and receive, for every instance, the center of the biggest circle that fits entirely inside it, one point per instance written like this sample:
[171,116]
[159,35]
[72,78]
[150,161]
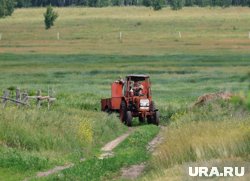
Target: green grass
[125,155]
[212,55]
[96,31]
[216,134]
[80,81]
[53,137]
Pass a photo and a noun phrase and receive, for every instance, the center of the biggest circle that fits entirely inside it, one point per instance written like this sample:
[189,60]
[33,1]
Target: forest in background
[103,3]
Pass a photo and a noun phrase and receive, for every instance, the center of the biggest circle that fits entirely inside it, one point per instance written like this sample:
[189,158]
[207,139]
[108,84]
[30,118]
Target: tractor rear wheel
[123,112]
[107,110]
[129,118]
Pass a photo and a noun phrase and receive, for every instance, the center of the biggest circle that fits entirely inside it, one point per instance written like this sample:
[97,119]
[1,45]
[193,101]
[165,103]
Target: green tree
[6,7]
[49,17]
[23,3]
[157,4]
[189,2]
[147,3]
[176,4]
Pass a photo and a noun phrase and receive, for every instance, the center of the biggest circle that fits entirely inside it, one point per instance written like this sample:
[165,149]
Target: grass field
[211,55]
[144,31]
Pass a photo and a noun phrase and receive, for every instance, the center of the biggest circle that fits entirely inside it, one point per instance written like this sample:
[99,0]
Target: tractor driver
[138,88]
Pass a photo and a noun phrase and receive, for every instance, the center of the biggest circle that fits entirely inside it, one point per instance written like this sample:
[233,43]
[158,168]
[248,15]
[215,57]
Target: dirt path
[107,149]
[54,170]
[156,141]
[51,171]
[135,171]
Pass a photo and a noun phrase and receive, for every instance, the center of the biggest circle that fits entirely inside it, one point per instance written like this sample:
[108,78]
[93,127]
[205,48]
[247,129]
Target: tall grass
[76,133]
[215,131]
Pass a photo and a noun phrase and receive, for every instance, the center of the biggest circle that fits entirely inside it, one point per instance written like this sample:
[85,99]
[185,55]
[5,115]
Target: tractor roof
[138,75]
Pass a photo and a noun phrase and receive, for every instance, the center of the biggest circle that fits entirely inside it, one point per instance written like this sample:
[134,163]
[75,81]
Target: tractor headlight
[144,103]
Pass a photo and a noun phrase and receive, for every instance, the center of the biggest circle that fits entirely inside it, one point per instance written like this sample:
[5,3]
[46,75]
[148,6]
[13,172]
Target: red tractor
[132,97]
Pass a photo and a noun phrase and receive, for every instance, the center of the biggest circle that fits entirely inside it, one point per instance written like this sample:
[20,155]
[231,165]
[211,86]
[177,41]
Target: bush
[147,3]
[23,3]
[176,4]
[157,5]
[6,8]
[49,17]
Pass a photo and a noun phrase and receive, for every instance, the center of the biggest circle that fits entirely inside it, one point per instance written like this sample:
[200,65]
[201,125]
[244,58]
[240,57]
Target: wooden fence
[23,99]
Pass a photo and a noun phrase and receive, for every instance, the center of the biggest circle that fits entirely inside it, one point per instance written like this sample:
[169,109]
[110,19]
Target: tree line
[103,3]
[7,6]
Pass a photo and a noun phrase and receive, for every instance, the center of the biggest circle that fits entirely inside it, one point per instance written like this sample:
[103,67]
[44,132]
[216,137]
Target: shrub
[176,4]
[23,3]
[147,3]
[6,8]
[49,17]
[157,5]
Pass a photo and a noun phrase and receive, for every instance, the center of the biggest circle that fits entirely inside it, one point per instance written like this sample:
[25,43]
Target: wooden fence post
[120,36]
[25,97]
[18,96]
[6,94]
[39,93]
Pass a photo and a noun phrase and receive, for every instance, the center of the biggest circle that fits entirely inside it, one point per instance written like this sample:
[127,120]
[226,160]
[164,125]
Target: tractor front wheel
[156,117]
[129,118]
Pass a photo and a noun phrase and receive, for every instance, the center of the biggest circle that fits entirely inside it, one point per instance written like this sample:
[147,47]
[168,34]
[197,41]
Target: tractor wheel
[141,119]
[123,111]
[129,118]
[107,110]
[156,120]
[152,106]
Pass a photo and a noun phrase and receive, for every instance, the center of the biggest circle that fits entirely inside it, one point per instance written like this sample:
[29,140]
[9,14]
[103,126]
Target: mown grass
[145,32]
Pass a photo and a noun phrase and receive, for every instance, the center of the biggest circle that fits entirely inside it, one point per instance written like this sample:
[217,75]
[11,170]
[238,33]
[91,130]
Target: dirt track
[54,170]
[107,149]
[128,173]
[135,171]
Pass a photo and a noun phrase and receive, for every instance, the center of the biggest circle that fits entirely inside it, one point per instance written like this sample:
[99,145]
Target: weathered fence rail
[22,98]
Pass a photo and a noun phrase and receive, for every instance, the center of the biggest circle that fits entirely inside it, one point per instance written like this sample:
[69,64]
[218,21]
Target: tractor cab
[137,85]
